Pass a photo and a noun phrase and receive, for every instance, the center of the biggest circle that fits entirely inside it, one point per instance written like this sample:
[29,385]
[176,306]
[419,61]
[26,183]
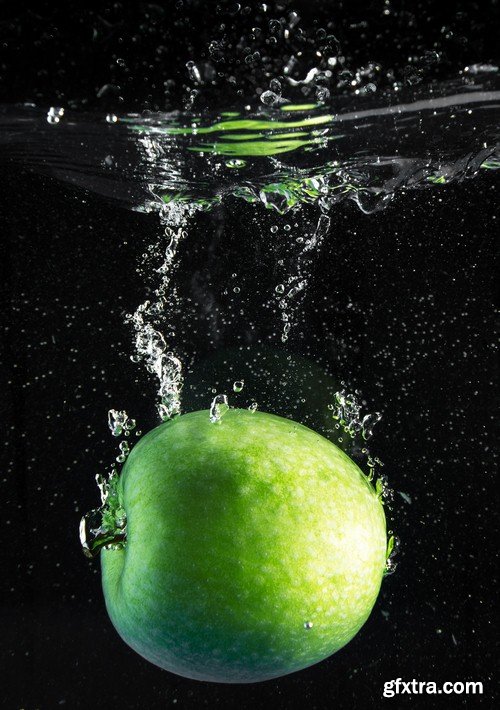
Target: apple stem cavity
[94,536]
[105,526]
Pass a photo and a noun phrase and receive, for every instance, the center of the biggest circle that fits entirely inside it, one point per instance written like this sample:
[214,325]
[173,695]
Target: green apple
[255,547]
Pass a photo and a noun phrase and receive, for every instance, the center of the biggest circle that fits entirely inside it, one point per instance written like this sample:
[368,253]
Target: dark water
[399,304]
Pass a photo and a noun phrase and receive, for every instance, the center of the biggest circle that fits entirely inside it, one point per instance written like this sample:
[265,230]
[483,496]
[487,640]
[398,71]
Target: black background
[417,338]
[133,55]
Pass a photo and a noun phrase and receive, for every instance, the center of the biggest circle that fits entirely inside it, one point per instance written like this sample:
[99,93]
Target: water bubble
[54,114]
[238,385]
[280,288]
[111,118]
[269,98]
[412,75]
[235,163]
[297,288]
[274,229]
[322,94]
[218,408]
[481,69]
[274,26]
[275,87]
[393,545]
[216,52]
[331,45]
[119,422]
[286,330]
[253,407]
[194,72]
[367,424]
[124,451]
[236,289]
[252,58]
[308,624]
[390,567]
[290,65]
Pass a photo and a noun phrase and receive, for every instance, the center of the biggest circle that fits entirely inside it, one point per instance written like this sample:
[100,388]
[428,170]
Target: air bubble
[218,408]
[235,163]
[54,114]
[269,98]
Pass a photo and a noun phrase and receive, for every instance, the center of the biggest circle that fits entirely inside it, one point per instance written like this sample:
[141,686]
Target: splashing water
[364,149]
[346,411]
[120,423]
[150,346]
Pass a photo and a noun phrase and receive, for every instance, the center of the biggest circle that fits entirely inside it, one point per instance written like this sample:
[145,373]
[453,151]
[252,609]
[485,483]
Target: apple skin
[255,548]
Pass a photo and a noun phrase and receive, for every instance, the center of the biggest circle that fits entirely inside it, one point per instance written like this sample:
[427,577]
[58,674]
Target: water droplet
[111,118]
[253,407]
[308,624]
[280,288]
[218,408]
[238,385]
